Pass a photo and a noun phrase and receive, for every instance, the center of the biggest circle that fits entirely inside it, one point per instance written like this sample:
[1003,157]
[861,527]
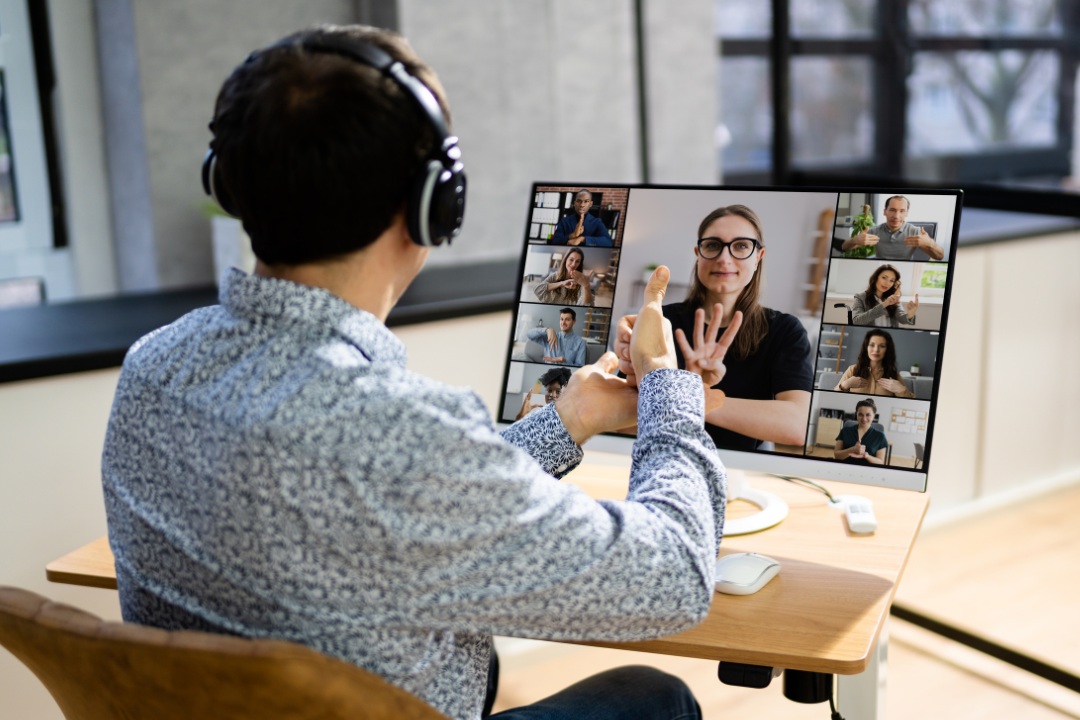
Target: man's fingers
[608,362]
[657,286]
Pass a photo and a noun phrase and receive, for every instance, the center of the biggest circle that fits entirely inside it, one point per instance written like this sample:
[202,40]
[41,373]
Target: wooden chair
[99,670]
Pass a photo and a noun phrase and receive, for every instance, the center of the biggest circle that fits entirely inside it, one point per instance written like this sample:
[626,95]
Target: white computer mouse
[744,573]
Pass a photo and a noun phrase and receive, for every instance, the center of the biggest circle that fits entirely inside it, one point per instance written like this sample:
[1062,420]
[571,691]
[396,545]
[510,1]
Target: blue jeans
[634,692]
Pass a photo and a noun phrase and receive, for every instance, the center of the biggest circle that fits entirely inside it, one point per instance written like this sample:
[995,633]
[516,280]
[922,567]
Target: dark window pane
[985,17]
[973,101]
[830,118]
[832,18]
[743,18]
[746,110]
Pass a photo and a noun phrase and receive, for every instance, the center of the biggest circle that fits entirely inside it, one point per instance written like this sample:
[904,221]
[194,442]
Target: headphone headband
[436,204]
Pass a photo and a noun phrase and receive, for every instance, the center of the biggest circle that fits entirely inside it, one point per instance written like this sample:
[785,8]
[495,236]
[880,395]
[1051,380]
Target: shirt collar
[257,297]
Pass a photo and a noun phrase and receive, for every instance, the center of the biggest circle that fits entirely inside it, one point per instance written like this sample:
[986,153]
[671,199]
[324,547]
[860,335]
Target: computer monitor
[829,346]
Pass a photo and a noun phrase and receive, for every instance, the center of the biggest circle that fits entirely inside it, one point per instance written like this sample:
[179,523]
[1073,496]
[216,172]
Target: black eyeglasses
[740,248]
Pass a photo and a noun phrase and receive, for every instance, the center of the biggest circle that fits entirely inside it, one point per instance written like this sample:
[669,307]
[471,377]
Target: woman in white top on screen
[879,305]
[568,285]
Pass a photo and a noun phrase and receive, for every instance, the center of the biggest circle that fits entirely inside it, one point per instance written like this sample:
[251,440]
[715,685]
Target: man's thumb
[657,287]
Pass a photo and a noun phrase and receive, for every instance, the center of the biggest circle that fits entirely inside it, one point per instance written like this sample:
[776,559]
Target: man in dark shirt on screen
[581,228]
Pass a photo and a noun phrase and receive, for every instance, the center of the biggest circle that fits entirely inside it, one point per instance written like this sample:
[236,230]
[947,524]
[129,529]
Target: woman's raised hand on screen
[892,385]
[706,357]
[913,306]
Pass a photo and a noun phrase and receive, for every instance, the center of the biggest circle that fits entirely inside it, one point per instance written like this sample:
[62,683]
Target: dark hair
[871,289]
[581,191]
[563,275]
[318,150]
[866,402]
[755,324]
[568,311]
[888,363]
[559,375]
[897,197]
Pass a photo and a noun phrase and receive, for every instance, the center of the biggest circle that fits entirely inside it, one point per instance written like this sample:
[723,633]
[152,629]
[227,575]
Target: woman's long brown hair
[755,326]
[871,289]
[564,275]
[888,363]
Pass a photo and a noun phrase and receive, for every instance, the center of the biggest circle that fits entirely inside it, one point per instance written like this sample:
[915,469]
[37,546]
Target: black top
[781,363]
[873,439]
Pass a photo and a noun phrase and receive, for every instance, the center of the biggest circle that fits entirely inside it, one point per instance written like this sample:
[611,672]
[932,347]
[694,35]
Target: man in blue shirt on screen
[562,346]
[581,228]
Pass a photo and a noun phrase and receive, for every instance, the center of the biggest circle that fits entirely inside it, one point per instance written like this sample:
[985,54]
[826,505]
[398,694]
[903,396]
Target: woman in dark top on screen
[862,444]
[768,374]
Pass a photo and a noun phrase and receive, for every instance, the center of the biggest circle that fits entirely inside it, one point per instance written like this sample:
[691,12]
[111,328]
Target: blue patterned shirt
[272,469]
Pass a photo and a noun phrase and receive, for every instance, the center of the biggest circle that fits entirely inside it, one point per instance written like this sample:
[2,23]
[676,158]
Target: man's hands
[651,345]
[578,236]
[921,241]
[596,401]
[863,238]
[706,358]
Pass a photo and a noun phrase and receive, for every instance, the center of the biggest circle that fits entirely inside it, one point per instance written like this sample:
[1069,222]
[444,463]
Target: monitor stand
[773,509]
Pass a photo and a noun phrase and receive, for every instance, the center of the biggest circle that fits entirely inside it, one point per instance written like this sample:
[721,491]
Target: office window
[937,90]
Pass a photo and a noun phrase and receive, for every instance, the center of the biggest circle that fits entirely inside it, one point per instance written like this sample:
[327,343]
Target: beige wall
[1007,422]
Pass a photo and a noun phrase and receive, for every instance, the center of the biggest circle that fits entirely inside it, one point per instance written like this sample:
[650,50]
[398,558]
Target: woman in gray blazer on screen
[879,305]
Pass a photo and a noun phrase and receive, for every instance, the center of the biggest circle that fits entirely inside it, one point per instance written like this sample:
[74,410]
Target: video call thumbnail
[578,216]
[570,275]
[887,226]
[530,387]
[875,361]
[897,294]
[560,335]
[865,430]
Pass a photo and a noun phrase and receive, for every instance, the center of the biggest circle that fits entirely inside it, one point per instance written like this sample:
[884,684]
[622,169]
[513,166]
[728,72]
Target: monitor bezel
[767,460]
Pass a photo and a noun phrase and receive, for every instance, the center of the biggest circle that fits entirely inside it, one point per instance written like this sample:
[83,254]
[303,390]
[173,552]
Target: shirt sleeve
[791,366]
[480,538]
[560,236]
[541,291]
[598,236]
[861,316]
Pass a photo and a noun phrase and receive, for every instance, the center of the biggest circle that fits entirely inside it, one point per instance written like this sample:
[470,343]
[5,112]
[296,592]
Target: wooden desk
[822,613]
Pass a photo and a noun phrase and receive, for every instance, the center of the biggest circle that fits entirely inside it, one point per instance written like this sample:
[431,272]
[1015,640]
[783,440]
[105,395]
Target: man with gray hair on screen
[896,238]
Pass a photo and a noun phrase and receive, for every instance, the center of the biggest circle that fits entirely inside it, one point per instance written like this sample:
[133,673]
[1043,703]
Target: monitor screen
[835,371]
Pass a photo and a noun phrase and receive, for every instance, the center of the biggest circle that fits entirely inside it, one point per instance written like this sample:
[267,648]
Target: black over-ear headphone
[436,202]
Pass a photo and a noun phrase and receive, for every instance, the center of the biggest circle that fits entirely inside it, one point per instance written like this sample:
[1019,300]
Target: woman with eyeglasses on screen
[875,372]
[862,443]
[766,374]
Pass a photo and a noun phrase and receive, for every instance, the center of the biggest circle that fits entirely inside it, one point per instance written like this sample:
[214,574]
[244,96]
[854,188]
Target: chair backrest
[828,380]
[99,670]
[918,451]
[924,387]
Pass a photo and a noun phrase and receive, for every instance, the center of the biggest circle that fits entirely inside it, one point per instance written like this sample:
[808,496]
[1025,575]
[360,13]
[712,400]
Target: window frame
[892,50]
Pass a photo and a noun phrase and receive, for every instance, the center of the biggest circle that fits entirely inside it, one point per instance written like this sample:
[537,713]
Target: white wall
[662,226]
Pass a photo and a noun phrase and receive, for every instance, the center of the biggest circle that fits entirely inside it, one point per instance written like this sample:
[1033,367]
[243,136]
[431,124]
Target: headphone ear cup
[418,211]
[214,185]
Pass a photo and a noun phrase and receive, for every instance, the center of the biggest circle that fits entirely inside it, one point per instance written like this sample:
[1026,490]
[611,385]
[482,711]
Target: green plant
[861,223]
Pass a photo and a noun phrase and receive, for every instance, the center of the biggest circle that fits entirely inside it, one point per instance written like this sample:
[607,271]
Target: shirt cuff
[542,434]
[667,395]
